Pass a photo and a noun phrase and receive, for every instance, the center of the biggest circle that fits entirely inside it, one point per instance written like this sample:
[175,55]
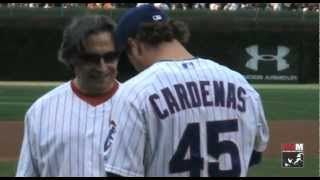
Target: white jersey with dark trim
[185,118]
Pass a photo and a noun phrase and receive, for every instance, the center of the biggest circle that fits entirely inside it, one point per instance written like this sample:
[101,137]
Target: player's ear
[134,47]
[132,43]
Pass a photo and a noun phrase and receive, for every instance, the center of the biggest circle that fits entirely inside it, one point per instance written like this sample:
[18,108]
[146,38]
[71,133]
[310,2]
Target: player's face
[98,64]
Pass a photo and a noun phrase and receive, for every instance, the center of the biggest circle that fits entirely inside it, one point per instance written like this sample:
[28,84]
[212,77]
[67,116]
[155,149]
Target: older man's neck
[97,89]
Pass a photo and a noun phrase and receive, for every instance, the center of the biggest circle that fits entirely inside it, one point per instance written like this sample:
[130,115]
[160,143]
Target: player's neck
[91,90]
[172,51]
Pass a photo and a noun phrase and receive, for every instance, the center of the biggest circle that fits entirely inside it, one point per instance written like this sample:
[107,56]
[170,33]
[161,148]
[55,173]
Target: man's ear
[131,43]
[135,46]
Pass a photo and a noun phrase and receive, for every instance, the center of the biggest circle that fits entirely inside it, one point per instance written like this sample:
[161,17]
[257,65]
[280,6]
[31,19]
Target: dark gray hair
[78,31]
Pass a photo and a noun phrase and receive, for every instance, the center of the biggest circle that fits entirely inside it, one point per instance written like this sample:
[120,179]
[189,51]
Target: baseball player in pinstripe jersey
[64,130]
[181,115]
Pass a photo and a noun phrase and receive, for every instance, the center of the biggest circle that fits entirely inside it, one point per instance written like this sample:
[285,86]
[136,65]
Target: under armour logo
[157,17]
[279,57]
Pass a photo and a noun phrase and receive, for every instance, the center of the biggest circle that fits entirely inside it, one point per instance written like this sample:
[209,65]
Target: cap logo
[157,17]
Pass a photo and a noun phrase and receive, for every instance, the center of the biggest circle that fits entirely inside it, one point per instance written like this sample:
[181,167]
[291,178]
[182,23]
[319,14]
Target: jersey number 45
[191,139]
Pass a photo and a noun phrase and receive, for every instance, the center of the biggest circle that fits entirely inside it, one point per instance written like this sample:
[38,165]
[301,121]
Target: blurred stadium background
[274,45]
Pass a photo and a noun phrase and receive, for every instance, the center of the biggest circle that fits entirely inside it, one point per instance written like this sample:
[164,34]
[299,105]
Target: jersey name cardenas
[188,107]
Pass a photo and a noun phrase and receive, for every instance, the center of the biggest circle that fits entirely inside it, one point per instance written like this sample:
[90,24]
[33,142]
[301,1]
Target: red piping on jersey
[94,100]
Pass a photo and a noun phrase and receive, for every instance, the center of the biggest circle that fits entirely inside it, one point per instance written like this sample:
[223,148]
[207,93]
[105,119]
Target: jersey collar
[94,100]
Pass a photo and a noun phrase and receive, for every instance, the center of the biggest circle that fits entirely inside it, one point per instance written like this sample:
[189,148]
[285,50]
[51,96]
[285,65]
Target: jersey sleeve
[124,146]
[262,134]
[26,165]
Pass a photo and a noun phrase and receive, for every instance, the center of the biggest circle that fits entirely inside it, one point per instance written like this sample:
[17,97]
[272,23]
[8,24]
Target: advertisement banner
[270,63]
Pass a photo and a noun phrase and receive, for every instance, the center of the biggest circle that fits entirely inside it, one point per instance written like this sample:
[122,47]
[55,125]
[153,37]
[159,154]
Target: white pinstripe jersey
[64,136]
[185,118]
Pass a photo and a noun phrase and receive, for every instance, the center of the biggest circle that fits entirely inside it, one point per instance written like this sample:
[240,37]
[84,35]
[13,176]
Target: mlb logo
[157,17]
[292,155]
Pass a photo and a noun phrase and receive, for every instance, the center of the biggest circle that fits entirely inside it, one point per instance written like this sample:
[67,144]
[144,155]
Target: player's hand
[256,158]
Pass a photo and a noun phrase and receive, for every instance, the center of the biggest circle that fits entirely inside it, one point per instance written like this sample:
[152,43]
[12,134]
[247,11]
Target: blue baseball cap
[130,22]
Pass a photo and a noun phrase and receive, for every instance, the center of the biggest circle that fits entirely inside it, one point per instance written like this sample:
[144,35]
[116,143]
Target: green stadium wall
[266,47]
